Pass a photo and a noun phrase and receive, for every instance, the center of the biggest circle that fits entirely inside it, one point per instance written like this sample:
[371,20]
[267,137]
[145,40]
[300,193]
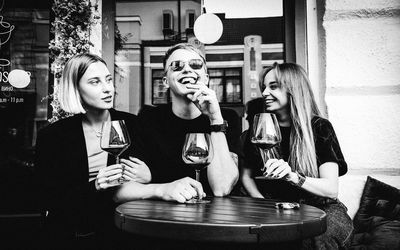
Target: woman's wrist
[296,179]
[293,178]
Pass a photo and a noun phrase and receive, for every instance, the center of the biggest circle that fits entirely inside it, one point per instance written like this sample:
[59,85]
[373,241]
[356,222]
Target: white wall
[363,80]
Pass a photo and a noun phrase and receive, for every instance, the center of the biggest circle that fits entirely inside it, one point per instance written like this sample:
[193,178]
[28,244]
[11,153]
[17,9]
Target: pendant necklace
[98,133]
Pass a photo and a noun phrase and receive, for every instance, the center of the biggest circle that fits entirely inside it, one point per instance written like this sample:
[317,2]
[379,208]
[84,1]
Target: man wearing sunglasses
[193,108]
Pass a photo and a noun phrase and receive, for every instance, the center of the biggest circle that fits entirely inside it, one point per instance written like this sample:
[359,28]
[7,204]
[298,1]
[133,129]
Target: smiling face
[189,73]
[275,95]
[96,87]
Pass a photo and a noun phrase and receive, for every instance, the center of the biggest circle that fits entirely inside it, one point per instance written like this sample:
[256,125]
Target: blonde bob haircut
[68,90]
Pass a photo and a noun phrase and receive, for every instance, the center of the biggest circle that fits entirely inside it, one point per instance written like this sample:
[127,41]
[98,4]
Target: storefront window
[24,86]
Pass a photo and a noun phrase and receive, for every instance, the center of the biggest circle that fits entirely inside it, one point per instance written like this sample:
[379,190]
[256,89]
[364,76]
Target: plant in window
[73,20]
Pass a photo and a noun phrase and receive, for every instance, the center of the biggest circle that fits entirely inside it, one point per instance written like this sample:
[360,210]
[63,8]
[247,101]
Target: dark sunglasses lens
[196,64]
[177,65]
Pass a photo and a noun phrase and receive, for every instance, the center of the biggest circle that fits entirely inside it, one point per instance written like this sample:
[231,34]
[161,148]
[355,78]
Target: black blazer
[74,205]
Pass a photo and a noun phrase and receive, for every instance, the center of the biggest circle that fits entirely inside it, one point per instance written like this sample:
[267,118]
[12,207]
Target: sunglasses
[195,64]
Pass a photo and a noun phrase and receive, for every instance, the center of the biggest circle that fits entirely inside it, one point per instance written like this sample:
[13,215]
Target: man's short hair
[68,91]
[185,46]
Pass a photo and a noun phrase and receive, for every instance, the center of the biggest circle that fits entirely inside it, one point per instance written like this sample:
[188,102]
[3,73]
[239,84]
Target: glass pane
[160,92]
[232,72]
[215,72]
[233,93]
[24,74]
[166,21]
[216,85]
[158,73]
[253,37]
[24,95]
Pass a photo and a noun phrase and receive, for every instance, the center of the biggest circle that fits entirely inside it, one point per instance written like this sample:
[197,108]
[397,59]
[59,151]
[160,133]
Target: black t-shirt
[164,138]
[327,150]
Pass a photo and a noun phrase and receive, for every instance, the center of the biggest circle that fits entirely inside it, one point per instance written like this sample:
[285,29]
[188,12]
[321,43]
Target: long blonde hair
[303,108]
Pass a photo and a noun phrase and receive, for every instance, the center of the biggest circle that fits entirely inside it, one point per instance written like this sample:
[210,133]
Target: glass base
[197,201]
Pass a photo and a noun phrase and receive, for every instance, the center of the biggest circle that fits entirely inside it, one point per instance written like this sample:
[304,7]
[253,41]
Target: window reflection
[252,38]
[24,86]
[160,92]
[227,83]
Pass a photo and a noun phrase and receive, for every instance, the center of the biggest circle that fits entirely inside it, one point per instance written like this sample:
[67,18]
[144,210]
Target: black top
[73,203]
[327,150]
[164,138]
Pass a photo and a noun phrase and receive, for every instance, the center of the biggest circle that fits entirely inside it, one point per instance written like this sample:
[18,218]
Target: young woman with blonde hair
[74,174]
[311,159]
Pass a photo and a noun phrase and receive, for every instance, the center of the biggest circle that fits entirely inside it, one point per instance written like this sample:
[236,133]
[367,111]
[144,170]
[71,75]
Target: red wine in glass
[197,153]
[266,135]
[115,140]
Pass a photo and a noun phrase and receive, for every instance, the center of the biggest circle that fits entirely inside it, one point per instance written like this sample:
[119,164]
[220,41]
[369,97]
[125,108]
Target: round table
[224,219]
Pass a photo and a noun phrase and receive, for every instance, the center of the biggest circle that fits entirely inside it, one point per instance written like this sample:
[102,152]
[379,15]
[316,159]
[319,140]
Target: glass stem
[197,179]
[264,157]
[267,154]
[117,161]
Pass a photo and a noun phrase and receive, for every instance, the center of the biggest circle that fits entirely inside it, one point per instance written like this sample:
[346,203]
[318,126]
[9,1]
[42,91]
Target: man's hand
[136,170]
[206,101]
[181,190]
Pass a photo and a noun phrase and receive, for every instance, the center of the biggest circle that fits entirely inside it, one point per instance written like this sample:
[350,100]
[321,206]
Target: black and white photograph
[200,124]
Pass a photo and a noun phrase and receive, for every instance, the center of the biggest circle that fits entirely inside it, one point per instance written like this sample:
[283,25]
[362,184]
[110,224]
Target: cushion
[377,221]
[350,191]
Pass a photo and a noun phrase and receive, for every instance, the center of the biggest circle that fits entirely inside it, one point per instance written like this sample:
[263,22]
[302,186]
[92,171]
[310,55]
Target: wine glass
[266,135]
[197,152]
[115,140]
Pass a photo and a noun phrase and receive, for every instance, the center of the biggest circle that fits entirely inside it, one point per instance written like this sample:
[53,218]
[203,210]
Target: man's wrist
[157,190]
[216,121]
[222,127]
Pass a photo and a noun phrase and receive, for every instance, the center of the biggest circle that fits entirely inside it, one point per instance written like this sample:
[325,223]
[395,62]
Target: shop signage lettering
[20,76]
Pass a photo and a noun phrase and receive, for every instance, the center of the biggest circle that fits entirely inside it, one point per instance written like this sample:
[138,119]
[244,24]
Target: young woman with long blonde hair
[310,156]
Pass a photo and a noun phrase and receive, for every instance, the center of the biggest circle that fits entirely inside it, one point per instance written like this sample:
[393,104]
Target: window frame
[171,20]
[154,101]
[224,78]
[188,12]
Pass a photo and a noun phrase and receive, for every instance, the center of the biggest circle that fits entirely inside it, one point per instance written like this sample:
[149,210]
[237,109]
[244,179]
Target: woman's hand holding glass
[108,176]
[276,169]
[136,170]
[130,170]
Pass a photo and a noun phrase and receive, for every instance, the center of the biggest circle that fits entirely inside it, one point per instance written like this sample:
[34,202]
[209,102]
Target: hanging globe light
[208,28]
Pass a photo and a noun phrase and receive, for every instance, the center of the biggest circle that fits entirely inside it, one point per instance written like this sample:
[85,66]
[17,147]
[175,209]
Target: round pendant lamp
[208,28]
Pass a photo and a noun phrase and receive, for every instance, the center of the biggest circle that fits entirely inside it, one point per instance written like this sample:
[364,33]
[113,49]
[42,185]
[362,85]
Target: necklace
[98,133]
